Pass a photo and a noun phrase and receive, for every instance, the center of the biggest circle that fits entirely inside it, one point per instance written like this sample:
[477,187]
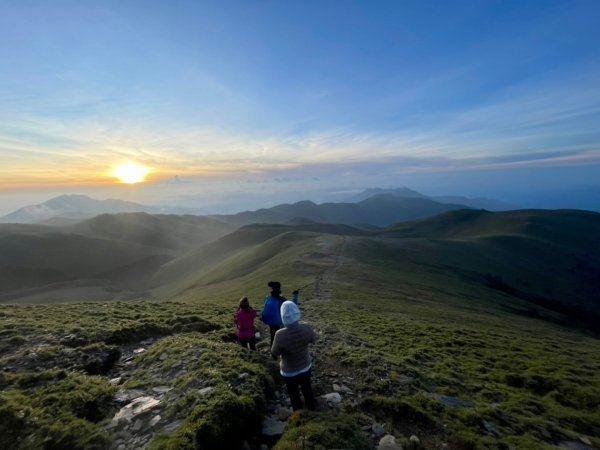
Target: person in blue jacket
[271,312]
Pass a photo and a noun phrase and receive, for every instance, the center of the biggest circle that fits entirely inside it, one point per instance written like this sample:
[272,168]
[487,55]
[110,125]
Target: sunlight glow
[130,173]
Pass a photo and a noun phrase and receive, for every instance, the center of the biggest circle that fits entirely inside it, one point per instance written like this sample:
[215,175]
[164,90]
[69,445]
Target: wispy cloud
[61,139]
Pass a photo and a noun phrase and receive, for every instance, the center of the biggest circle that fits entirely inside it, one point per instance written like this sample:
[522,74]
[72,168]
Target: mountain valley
[467,329]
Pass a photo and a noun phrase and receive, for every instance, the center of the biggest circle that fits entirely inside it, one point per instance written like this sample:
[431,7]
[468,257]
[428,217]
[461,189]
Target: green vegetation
[433,333]
[321,431]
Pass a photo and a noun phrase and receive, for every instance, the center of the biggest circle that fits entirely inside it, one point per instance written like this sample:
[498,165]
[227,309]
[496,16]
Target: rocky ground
[140,414]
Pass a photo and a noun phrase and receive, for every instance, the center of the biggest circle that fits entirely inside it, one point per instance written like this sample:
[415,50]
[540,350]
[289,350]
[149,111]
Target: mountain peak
[72,206]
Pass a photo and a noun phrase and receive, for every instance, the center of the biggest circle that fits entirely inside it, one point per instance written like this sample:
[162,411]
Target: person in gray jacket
[291,344]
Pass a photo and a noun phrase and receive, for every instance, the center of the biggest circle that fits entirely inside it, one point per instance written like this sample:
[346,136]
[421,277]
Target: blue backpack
[271,313]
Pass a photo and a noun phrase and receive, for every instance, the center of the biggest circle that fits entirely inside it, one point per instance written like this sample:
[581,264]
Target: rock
[137,426]
[163,356]
[283,413]
[121,447]
[137,407]
[126,395]
[346,390]
[148,341]
[414,439]
[585,440]
[243,376]
[575,445]
[337,387]
[205,390]
[162,389]
[124,435]
[490,427]
[101,361]
[155,421]
[115,380]
[73,340]
[173,426]
[272,407]
[403,379]
[68,351]
[333,398]
[272,426]
[388,442]
[378,430]
[111,426]
[453,401]
[137,351]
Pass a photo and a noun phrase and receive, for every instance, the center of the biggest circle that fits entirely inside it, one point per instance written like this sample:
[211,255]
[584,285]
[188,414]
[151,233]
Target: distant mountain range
[477,203]
[72,207]
[378,210]
[69,209]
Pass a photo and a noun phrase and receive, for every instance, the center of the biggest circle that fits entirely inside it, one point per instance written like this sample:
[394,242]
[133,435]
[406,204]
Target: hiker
[291,343]
[271,315]
[244,320]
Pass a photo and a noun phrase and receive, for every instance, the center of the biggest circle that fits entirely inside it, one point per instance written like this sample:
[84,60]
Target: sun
[130,173]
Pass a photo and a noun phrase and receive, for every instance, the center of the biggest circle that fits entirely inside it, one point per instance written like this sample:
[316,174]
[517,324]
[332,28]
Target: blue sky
[454,97]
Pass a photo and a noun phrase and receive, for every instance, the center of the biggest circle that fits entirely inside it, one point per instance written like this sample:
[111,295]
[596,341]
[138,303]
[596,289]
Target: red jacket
[245,323]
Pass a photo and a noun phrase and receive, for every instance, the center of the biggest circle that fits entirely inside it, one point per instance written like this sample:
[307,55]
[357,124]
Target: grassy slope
[526,376]
[234,255]
[34,260]
[552,257]
[387,310]
[161,231]
[111,255]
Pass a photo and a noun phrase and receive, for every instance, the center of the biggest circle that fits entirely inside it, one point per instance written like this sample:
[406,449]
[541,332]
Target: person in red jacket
[244,319]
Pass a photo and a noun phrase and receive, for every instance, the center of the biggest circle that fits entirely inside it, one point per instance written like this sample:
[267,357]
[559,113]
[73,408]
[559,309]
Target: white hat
[289,313]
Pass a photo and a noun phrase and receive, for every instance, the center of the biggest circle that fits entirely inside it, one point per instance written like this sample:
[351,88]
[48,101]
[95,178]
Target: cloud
[552,123]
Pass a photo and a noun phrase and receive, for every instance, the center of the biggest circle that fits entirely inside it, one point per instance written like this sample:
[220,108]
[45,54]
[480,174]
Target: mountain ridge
[477,203]
[72,206]
[379,210]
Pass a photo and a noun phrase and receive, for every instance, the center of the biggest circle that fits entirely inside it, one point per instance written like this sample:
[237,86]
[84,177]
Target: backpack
[271,313]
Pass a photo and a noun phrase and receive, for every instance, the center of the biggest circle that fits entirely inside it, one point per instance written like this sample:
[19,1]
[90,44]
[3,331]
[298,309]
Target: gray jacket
[291,343]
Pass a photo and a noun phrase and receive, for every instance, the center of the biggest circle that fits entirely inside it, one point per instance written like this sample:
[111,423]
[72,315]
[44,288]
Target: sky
[237,104]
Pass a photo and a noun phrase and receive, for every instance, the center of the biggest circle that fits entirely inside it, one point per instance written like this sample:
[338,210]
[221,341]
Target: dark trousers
[294,385]
[273,329]
[249,342]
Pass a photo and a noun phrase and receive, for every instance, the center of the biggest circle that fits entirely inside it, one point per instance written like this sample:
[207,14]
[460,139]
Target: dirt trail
[327,372]
[326,278]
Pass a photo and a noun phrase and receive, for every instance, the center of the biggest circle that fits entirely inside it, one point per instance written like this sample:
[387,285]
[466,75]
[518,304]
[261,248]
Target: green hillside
[248,247]
[111,255]
[419,323]
[35,260]
[548,257]
[162,231]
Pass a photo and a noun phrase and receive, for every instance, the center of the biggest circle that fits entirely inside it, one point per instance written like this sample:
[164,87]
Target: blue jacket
[271,312]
